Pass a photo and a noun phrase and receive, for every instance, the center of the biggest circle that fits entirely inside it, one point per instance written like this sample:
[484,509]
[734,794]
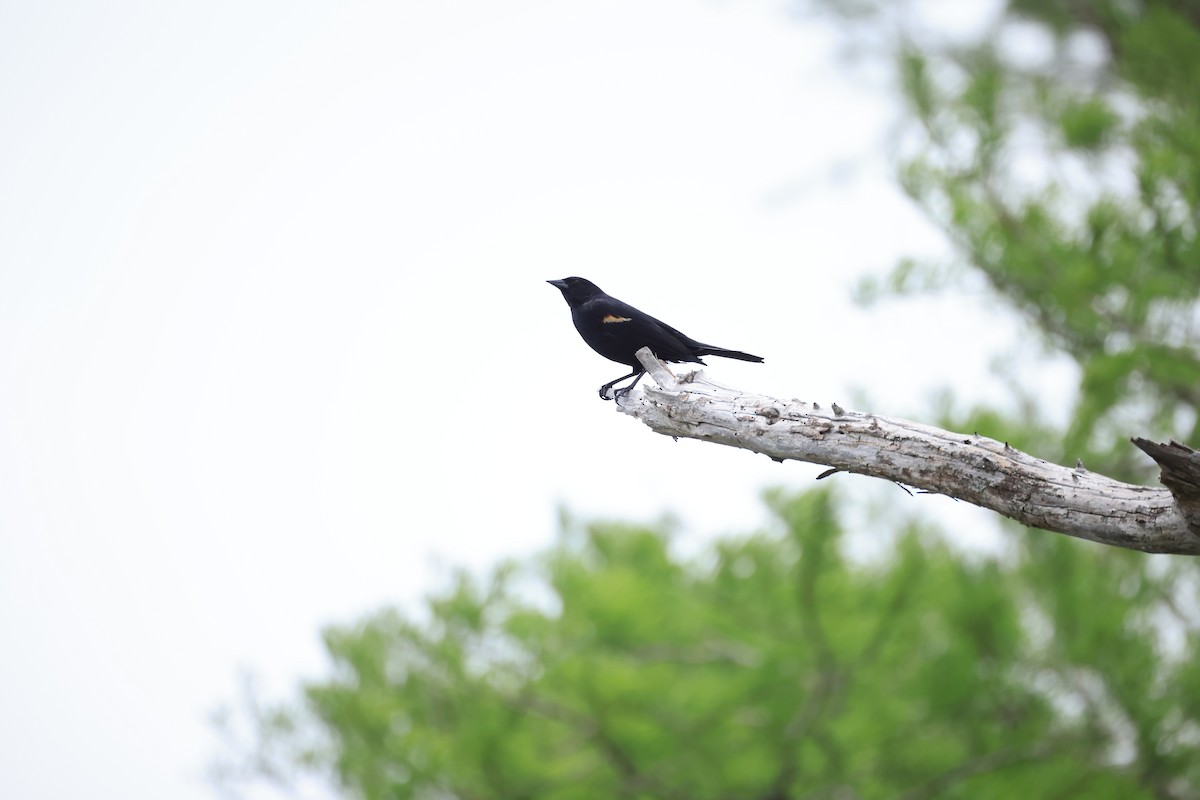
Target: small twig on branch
[972,468]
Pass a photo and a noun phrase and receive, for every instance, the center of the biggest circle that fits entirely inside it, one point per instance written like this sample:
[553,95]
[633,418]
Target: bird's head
[576,290]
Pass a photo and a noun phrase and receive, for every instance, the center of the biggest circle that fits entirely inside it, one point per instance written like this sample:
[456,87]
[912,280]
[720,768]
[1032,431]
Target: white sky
[276,346]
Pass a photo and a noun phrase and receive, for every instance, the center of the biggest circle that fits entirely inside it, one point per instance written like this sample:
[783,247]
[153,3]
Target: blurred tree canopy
[1059,149]
[770,667]
[1060,152]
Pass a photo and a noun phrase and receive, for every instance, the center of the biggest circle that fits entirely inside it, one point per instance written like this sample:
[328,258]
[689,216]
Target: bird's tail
[709,350]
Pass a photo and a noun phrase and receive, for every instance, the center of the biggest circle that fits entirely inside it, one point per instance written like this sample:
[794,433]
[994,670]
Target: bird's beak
[559,284]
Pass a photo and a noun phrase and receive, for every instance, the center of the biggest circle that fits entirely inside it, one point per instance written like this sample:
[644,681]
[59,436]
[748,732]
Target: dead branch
[971,468]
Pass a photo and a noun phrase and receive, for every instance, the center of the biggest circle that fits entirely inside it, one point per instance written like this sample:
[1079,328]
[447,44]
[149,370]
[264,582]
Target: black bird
[617,331]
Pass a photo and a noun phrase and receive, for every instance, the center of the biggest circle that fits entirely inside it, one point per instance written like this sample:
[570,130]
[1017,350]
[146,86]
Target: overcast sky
[276,346]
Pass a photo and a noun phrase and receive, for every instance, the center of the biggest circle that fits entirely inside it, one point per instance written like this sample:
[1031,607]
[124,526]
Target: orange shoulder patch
[615,318]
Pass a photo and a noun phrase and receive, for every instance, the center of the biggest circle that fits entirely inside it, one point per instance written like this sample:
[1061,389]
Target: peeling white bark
[971,468]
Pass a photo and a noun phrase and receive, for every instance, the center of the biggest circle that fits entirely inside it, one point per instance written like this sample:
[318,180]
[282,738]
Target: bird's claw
[617,394]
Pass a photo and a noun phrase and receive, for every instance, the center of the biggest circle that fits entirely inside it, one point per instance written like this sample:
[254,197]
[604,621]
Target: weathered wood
[1180,474]
[969,467]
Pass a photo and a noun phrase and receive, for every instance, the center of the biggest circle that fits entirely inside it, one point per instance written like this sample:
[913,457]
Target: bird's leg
[604,389]
[619,393]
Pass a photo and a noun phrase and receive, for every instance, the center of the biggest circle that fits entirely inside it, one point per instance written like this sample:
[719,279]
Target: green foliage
[1096,243]
[1087,125]
[773,666]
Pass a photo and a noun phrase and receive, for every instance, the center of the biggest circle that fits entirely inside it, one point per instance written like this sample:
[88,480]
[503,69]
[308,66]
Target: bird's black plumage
[617,331]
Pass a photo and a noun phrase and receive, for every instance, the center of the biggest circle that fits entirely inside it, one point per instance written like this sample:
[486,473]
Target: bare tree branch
[971,468]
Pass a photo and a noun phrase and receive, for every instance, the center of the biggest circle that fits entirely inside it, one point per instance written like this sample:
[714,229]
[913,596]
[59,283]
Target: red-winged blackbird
[617,331]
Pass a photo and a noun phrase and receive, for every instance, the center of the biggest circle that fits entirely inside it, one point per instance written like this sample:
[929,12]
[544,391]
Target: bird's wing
[619,320]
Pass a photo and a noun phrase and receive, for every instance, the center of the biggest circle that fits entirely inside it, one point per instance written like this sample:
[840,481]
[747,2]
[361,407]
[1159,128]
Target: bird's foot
[624,390]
